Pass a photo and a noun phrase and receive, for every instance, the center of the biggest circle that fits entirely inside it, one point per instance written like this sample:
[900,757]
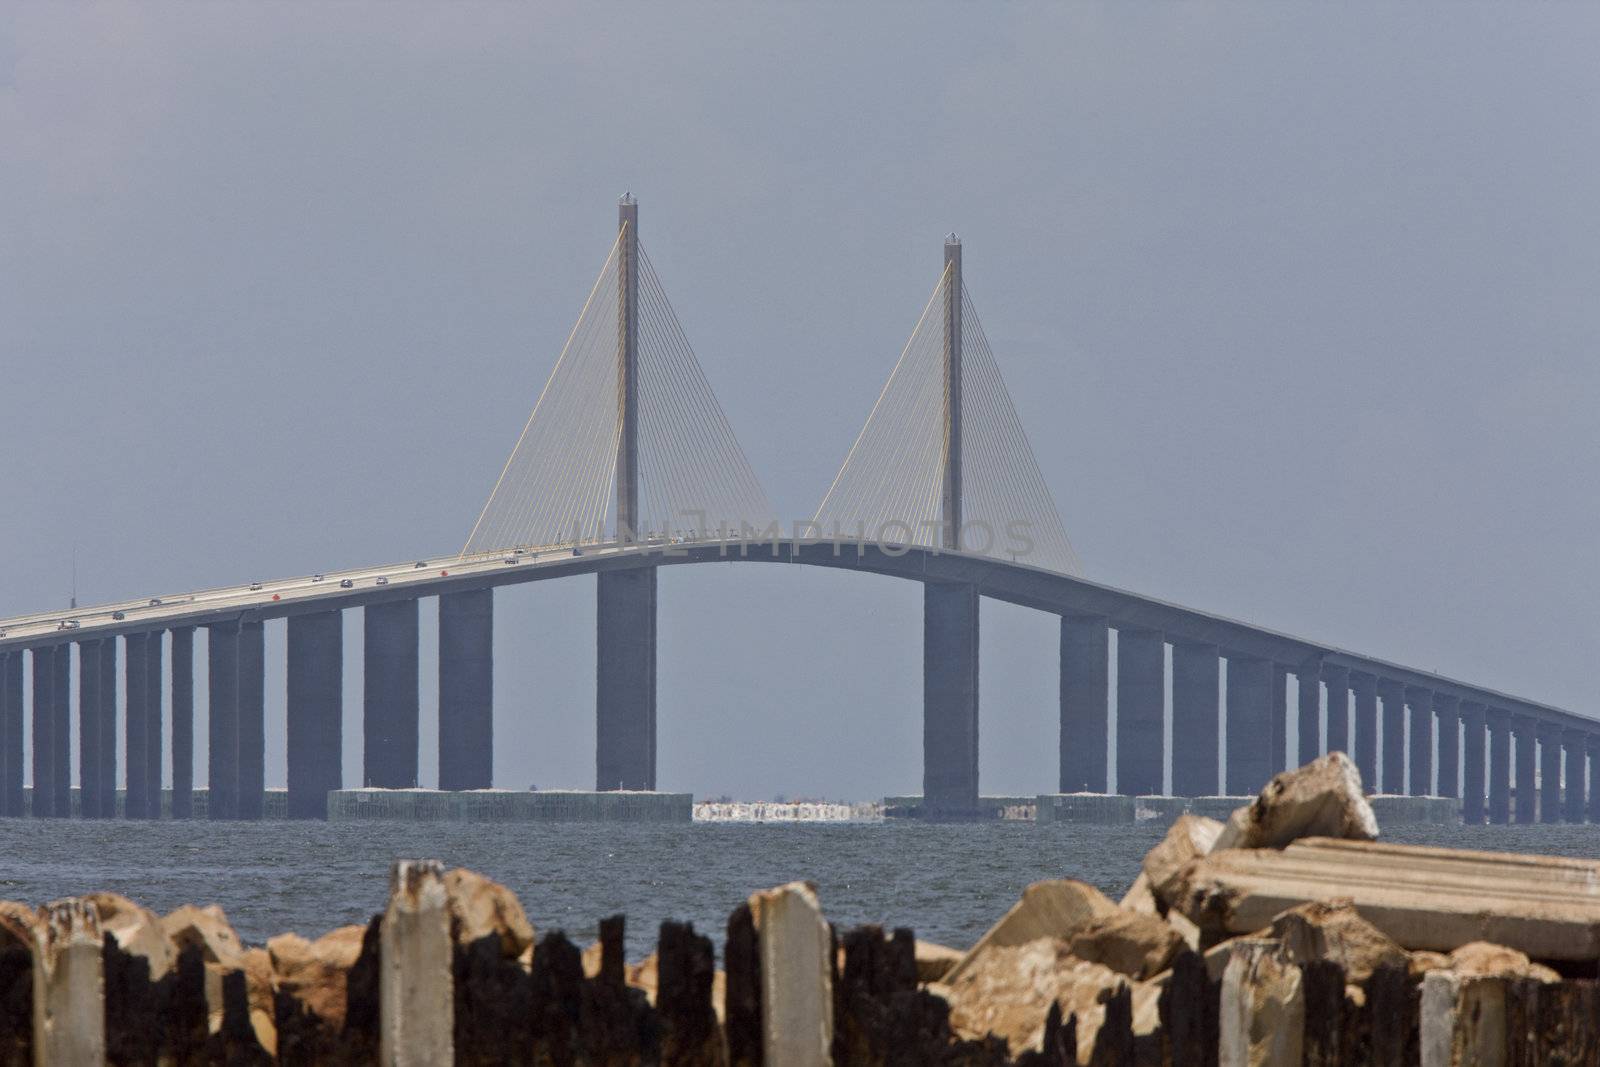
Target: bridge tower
[950,609]
[625,661]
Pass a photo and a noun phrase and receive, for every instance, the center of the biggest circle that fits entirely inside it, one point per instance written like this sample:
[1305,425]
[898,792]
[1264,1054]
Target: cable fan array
[558,487]
[890,486]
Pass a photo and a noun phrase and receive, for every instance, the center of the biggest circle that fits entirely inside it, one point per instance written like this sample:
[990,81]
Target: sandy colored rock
[1128,942]
[1189,838]
[1420,963]
[1481,959]
[1008,990]
[1050,909]
[935,962]
[317,972]
[138,931]
[1139,897]
[1322,799]
[1437,899]
[1334,931]
[1185,927]
[17,921]
[206,927]
[480,907]
[257,967]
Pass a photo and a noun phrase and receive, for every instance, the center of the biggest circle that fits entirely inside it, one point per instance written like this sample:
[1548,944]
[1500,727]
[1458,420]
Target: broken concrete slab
[481,907]
[1423,898]
[1324,798]
[138,931]
[207,928]
[1462,1020]
[1129,942]
[1046,909]
[1189,838]
[1008,991]
[1335,931]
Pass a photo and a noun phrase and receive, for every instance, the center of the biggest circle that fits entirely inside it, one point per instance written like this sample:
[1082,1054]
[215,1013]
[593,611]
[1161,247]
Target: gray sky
[1298,304]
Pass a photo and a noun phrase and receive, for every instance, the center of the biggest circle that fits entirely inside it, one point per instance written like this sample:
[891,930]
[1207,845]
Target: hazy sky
[1300,306]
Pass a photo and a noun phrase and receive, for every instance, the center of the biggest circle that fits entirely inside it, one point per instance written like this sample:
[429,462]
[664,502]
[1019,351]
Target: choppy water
[947,882]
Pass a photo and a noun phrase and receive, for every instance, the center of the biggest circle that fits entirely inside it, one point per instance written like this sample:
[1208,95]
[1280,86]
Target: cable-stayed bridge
[626,464]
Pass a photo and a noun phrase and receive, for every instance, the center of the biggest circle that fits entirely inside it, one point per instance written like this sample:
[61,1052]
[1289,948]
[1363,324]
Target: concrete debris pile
[1287,935]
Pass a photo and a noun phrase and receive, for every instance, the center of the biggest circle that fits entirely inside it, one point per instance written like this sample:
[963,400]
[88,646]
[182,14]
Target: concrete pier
[1594,777]
[1364,686]
[1337,681]
[136,693]
[1473,751]
[11,733]
[153,739]
[1249,732]
[1085,703]
[625,669]
[222,755]
[1419,778]
[466,689]
[61,737]
[44,766]
[182,722]
[315,711]
[1393,726]
[950,699]
[389,706]
[1278,718]
[1447,717]
[1575,745]
[252,719]
[1499,727]
[1549,772]
[1141,692]
[89,726]
[1522,728]
[1196,719]
[108,726]
[1309,704]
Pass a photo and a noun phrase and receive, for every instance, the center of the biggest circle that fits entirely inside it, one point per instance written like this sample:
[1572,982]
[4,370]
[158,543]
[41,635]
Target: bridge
[627,464]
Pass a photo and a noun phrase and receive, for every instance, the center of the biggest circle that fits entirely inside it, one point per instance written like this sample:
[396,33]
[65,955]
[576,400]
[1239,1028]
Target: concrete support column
[1420,747]
[108,727]
[416,994]
[1278,717]
[389,700]
[1473,796]
[1499,725]
[949,698]
[1549,771]
[1364,686]
[315,711]
[1085,703]
[466,689]
[1337,679]
[1575,746]
[61,737]
[1446,715]
[136,799]
[625,680]
[183,722]
[252,720]
[69,1005]
[1249,731]
[153,739]
[1308,680]
[11,723]
[1522,728]
[1393,719]
[44,725]
[1141,695]
[1594,777]
[89,729]
[1196,719]
[222,687]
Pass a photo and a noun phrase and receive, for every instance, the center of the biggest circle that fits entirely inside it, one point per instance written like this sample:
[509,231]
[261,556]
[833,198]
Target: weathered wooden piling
[416,993]
[69,1008]
[1262,1014]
